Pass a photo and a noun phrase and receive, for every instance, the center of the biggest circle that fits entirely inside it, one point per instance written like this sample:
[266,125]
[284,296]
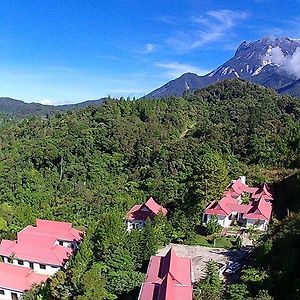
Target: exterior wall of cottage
[224,221]
[6,294]
[258,224]
[43,269]
[135,224]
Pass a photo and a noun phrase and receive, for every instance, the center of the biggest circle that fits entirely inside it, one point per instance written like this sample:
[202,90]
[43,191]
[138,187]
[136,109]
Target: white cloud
[175,69]
[47,102]
[291,64]
[149,48]
[214,26]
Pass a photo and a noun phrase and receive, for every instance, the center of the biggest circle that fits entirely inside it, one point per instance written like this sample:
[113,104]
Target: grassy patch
[208,241]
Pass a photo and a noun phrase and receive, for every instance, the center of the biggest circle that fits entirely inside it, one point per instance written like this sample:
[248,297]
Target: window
[14,296]
[31,265]
[20,262]
[2,292]
[43,267]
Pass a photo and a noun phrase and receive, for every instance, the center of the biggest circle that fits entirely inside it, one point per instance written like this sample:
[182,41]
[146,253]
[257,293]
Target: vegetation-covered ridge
[90,166]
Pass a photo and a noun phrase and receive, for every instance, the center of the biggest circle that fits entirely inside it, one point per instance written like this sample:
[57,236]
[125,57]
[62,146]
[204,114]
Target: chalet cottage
[138,214]
[38,252]
[258,212]
[168,277]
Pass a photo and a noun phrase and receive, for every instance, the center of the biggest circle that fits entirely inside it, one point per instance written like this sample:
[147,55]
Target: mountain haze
[22,109]
[271,62]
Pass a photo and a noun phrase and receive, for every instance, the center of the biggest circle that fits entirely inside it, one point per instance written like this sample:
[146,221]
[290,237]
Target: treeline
[88,165]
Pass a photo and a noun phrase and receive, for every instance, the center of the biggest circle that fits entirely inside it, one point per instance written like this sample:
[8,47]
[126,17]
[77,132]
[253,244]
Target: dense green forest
[90,166]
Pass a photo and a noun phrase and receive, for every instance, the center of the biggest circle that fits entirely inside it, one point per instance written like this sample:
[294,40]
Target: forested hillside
[90,166]
[19,109]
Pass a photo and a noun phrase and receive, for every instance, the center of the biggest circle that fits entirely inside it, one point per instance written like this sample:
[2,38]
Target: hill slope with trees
[90,166]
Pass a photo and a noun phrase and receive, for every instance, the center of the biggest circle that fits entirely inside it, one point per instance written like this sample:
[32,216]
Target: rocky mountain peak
[271,61]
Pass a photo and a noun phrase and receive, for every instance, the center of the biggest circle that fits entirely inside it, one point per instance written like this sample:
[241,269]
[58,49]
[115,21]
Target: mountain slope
[266,62]
[22,109]
[292,89]
[186,82]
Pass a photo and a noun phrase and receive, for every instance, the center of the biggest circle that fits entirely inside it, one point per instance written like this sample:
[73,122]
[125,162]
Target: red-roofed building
[168,278]
[263,192]
[44,248]
[257,213]
[139,213]
[15,280]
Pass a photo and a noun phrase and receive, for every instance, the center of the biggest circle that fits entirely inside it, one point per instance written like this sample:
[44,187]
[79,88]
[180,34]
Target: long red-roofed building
[44,248]
[139,213]
[168,278]
[257,213]
[15,280]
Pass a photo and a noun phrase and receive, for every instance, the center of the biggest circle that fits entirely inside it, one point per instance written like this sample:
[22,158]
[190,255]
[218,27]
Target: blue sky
[63,51]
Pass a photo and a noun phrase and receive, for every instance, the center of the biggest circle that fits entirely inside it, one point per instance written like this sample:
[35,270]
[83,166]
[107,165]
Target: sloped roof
[260,207]
[221,208]
[168,278]
[264,192]
[237,188]
[39,243]
[18,278]
[240,208]
[260,210]
[150,209]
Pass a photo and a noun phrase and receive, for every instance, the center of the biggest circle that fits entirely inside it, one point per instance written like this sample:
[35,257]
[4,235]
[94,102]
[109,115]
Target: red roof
[150,209]
[40,243]
[260,207]
[264,191]
[240,208]
[260,210]
[237,188]
[220,208]
[18,278]
[168,278]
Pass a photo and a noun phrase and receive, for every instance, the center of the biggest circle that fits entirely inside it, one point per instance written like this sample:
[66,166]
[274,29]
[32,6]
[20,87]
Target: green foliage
[237,292]
[254,278]
[90,166]
[149,241]
[94,285]
[279,256]
[263,295]
[210,287]
[213,226]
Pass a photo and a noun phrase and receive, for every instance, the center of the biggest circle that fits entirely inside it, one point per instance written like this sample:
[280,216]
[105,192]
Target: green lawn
[207,241]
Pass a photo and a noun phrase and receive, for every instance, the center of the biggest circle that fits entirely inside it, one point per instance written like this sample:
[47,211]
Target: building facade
[241,204]
[138,214]
[38,252]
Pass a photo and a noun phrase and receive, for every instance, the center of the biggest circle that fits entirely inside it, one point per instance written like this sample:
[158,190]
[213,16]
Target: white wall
[7,294]
[222,220]
[135,224]
[50,270]
[258,224]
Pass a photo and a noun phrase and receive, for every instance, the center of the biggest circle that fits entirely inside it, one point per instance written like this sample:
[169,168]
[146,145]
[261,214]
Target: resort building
[242,204]
[168,278]
[38,252]
[139,213]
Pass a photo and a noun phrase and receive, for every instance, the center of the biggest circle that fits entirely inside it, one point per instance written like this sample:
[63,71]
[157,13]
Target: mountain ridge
[20,108]
[268,62]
